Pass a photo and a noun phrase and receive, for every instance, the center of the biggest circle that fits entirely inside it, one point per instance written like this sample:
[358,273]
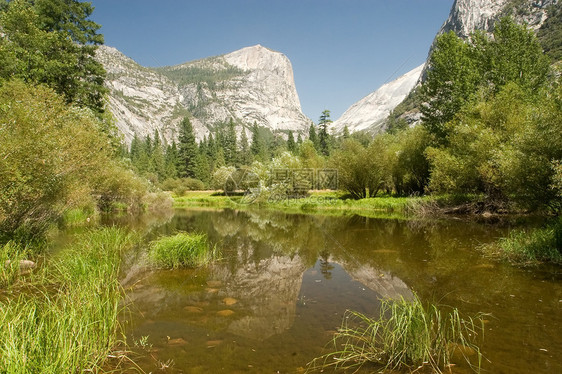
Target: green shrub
[182,250]
[404,335]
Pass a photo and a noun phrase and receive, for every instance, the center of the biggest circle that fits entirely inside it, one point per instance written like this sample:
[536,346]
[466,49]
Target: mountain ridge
[251,85]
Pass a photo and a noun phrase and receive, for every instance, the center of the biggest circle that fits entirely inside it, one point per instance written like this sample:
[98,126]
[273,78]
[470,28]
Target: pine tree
[346,133]
[229,144]
[313,137]
[245,155]
[187,150]
[291,146]
[171,161]
[157,160]
[323,135]
[258,147]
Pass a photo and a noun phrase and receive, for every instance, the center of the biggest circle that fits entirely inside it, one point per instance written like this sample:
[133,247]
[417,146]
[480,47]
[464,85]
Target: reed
[182,250]
[523,247]
[68,323]
[405,335]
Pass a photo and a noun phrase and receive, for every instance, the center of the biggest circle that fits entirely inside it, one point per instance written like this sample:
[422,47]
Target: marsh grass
[68,323]
[405,335]
[525,247]
[182,250]
[11,254]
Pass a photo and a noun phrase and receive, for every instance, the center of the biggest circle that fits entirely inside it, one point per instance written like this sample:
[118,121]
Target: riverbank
[318,202]
[62,317]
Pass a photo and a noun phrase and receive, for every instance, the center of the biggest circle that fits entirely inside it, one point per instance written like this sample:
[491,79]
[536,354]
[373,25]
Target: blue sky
[341,50]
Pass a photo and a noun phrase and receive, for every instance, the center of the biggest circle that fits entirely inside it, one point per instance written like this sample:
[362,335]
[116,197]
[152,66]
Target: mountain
[466,16]
[371,112]
[251,85]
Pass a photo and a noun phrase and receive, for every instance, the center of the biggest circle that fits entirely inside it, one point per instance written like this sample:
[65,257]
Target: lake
[274,300]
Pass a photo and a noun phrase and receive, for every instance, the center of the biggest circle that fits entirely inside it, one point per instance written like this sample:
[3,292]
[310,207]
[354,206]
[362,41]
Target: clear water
[273,302]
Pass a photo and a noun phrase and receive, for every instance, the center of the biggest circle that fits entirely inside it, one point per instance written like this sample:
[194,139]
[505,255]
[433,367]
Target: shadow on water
[274,300]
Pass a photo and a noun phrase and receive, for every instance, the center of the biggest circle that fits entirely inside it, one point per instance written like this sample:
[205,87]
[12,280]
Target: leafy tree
[187,149]
[452,79]
[53,157]
[53,42]
[550,33]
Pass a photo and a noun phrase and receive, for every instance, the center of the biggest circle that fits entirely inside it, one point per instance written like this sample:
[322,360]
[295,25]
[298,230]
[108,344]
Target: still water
[275,299]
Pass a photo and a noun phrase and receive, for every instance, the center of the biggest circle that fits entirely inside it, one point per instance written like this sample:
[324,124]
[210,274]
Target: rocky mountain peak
[251,85]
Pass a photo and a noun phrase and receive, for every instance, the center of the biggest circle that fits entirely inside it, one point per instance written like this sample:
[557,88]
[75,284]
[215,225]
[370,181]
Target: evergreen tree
[187,149]
[171,161]
[229,144]
[157,160]
[245,154]
[313,137]
[299,139]
[135,151]
[53,42]
[258,147]
[346,133]
[323,135]
[291,146]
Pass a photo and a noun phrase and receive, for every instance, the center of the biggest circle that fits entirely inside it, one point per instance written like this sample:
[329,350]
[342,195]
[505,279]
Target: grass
[405,335]
[324,202]
[11,254]
[67,323]
[528,247]
[182,250]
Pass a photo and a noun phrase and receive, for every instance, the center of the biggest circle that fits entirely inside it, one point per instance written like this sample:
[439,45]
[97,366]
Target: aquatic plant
[68,323]
[11,254]
[405,335]
[182,250]
[523,247]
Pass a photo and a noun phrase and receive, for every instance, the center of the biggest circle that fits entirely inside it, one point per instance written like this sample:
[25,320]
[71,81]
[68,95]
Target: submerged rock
[229,301]
[225,313]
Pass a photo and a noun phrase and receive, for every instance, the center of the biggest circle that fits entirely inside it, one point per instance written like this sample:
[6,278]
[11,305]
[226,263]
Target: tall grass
[182,250]
[527,247]
[11,254]
[405,335]
[69,323]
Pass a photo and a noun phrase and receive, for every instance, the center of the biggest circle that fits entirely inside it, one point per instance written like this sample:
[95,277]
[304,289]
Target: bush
[182,250]
[49,152]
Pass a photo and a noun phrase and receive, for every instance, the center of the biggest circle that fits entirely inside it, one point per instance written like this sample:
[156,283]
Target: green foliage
[52,42]
[459,69]
[405,335]
[11,254]
[48,154]
[182,250]
[524,247]
[70,323]
[550,33]
[362,172]
[196,73]
[324,141]
[502,147]
[187,149]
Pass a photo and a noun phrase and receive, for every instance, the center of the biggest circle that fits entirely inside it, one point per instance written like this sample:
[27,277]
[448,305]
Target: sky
[340,50]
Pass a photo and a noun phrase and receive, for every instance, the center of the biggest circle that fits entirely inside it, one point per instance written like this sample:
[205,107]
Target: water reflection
[279,293]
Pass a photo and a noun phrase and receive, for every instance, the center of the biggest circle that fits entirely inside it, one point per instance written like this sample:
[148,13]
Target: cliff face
[370,113]
[466,16]
[251,85]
